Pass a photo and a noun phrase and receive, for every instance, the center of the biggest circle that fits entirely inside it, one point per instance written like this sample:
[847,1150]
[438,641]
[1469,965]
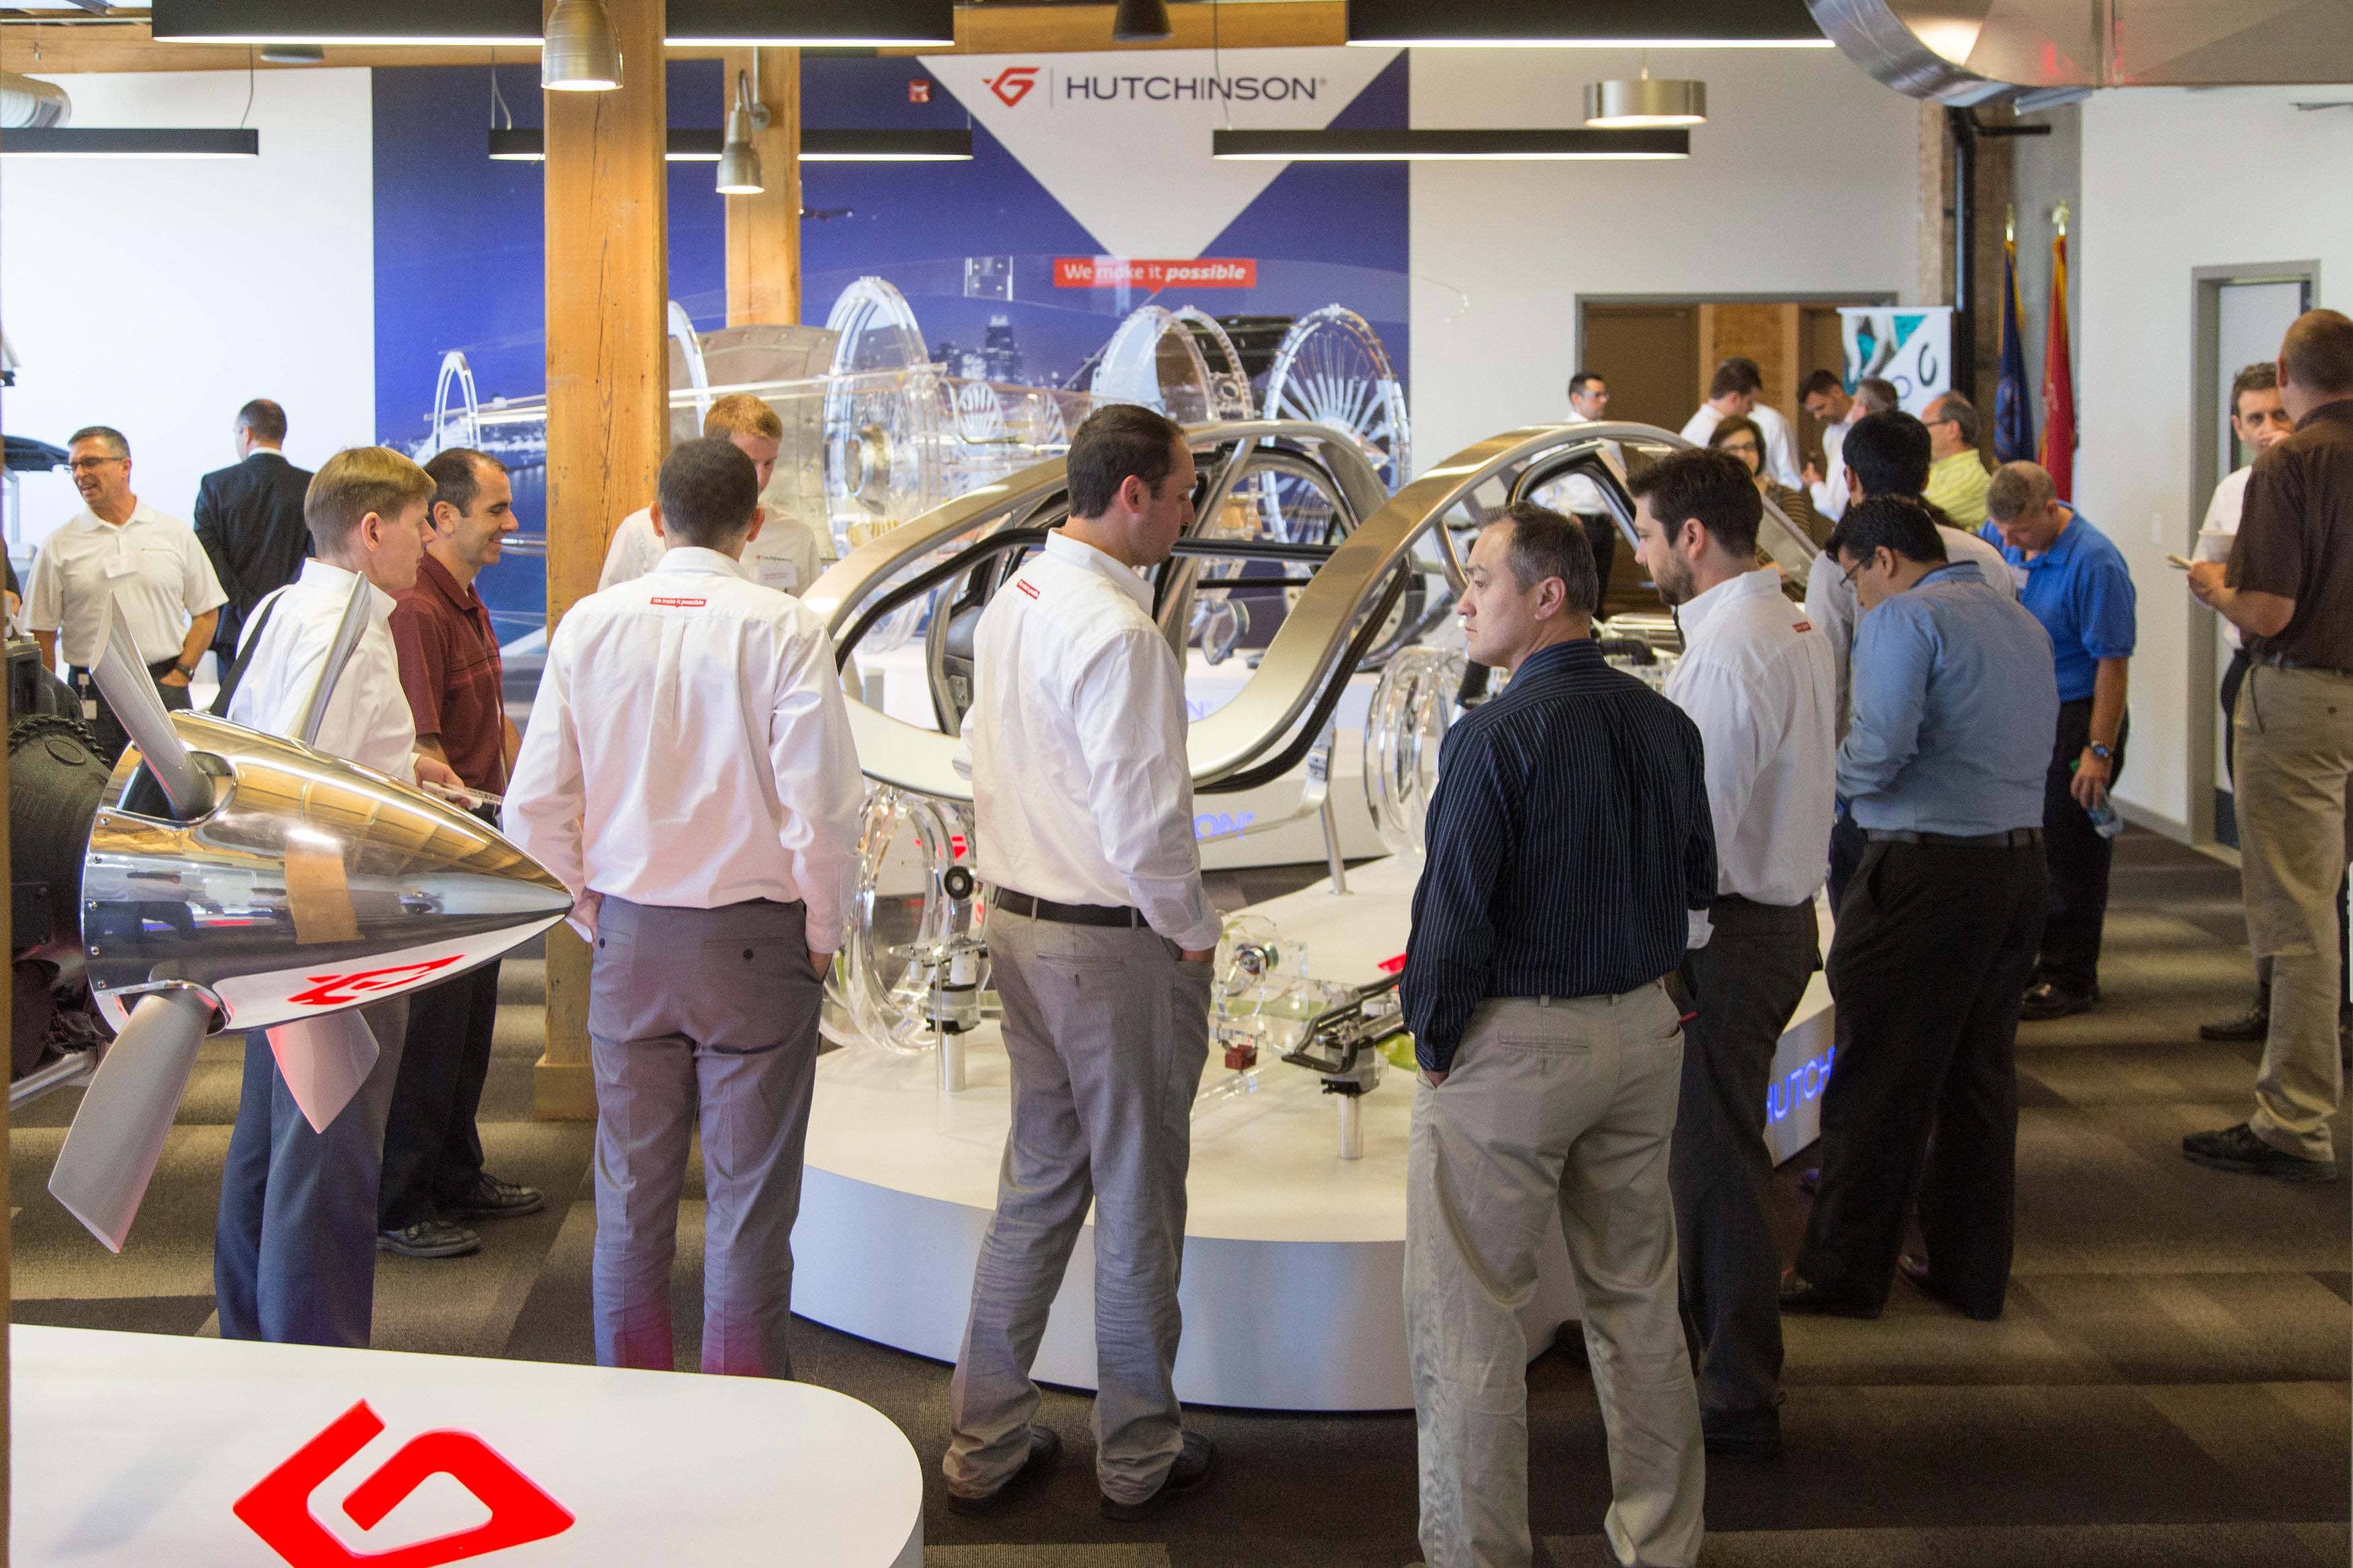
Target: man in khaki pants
[2288,586]
[1571,856]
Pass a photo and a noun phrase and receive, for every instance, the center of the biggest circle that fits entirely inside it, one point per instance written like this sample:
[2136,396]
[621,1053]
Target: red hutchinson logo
[1013,84]
[342,990]
[279,1508]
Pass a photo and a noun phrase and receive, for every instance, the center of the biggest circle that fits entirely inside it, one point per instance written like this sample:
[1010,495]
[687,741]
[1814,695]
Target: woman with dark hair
[1741,436]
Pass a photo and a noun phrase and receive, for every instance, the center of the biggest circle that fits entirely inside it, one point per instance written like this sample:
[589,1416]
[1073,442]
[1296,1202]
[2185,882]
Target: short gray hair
[2016,488]
[118,446]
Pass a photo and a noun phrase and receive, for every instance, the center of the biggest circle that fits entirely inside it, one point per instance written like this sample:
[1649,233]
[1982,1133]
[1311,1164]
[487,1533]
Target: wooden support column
[608,396]
[763,232]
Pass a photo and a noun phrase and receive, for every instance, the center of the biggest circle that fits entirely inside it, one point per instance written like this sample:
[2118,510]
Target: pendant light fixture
[1645,104]
[739,160]
[1141,21]
[580,54]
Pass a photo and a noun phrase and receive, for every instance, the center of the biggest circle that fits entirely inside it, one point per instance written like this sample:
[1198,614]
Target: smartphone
[2179,562]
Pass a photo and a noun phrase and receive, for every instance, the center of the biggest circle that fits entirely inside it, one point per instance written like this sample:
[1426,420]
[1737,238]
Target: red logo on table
[342,990]
[1013,83]
[278,1510]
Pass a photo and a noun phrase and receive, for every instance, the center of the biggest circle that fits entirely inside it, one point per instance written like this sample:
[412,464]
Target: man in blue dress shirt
[2074,581]
[1954,708]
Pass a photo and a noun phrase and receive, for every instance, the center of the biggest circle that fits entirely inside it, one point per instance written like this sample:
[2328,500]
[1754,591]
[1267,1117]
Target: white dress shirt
[1830,497]
[689,749]
[1832,607]
[2221,526]
[367,719]
[785,557]
[1080,779]
[1762,686]
[1780,447]
[150,565]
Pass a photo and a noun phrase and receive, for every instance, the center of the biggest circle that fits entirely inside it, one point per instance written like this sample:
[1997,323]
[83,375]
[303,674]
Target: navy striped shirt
[1568,839]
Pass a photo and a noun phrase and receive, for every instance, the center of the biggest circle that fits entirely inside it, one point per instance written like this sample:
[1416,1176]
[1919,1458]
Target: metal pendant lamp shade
[580,54]
[739,160]
[1141,21]
[1644,103]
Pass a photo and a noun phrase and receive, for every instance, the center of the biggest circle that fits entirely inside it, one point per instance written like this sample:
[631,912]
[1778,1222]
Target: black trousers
[432,1150]
[2079,859]
[112,739]
[1601,533]
[1744,983]
[1934,949]
[2234,676]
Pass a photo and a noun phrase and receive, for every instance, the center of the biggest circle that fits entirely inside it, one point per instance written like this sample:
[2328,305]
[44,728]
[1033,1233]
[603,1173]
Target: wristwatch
[2103,753]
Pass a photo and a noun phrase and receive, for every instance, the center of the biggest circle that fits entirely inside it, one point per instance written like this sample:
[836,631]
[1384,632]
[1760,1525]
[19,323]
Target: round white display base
[143,1450]
[1295,1258]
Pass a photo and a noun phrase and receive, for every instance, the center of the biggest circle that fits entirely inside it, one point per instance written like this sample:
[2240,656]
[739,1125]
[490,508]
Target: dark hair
[1713,488]
[708,492]
[265,420]
[2319,352]
[1124,441]
[2261,376]
[1733,376]
[1889,454]
[1823,381]
[1728,428]
[1952,406]
[1899,524]
[1546,544]
[106,433]
[457,476]
[1576,382]
[1878,395]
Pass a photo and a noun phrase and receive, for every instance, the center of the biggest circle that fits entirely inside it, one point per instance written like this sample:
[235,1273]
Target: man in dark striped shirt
[1570,859]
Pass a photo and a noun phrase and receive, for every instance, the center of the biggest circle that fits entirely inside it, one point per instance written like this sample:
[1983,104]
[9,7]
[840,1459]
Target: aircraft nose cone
[312,886]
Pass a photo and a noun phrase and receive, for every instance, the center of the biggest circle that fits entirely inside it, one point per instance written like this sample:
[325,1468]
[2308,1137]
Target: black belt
[2282,661]
[80,676]
[1022,904]
[2016,839]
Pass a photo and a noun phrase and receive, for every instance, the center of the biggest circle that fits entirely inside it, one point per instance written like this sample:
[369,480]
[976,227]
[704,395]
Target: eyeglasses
[1849,578]
[90,465]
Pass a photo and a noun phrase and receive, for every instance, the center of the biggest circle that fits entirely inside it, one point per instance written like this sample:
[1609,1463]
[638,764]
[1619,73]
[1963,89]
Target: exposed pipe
[29,103]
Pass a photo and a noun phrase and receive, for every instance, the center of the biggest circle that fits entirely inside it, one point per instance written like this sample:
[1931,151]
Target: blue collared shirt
[2082,592]
[1955,705]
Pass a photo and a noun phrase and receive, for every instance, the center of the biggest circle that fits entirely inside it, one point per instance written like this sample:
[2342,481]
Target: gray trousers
[1108,1031]
[708,1018]
[1566,1108]
[1746,982]
[294,1243]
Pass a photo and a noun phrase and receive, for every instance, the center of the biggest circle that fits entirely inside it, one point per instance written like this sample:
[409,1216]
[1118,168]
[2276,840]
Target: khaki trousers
[2294,737]
[1567,1107]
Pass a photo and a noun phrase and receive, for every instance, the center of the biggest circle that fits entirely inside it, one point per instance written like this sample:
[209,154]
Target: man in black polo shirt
[1571,859]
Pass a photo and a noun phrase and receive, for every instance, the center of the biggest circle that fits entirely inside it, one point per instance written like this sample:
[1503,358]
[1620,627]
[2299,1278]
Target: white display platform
[1294,1259]
[146,1449]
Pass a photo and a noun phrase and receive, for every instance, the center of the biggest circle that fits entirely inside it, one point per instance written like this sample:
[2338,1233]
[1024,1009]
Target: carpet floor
[2169,1384]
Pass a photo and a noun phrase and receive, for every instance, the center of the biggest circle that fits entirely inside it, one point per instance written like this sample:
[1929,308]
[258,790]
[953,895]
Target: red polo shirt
[450,669]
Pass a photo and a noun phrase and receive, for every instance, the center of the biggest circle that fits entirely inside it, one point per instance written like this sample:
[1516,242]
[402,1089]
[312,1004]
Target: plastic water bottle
[2104,820]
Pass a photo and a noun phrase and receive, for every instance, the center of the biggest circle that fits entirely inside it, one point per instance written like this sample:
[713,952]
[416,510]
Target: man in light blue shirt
[1955,704]
[2074,581]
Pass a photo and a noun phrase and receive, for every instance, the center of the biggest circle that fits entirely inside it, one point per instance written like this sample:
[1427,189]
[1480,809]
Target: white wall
[2174,180]
[1804,182]
[158,296]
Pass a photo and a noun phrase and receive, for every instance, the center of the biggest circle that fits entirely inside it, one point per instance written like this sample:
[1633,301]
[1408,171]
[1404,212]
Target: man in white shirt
[1886,454]
[1732,391]
[294,1247]
[1101,936]
[689,775]
[1762,686]
[1579,497]
[1824,398]
[118,555]
[1588,397]
[783,555]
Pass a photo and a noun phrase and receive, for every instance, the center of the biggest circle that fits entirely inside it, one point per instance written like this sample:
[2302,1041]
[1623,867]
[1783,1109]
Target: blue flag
[2013,417]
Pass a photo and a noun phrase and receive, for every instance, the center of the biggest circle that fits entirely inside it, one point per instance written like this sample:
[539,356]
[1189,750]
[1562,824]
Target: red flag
[2058,452]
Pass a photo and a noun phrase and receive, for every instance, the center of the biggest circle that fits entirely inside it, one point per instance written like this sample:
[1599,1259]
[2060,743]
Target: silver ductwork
[1963,52]
[29,103]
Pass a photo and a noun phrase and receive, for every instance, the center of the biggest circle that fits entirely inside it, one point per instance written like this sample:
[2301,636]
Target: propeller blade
[323,1061]
[348,633]
[122,676]
[117,1136]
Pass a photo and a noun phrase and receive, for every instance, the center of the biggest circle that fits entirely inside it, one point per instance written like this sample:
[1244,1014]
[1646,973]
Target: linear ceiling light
[1419,146]
[1592,24]
[529,145]
[92,142]
[811,24]
[508,24]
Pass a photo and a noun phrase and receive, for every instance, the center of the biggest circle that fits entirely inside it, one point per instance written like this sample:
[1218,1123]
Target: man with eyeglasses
[151,568]
[1956,473]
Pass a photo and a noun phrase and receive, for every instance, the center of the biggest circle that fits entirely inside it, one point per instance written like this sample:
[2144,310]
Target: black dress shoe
[2253,1024]
[2048,1000]
[490,1198]
[1803,1297]
[430,1238]
[1045,1453]
[1916,1270]
[2238,1149]
[1194,1463]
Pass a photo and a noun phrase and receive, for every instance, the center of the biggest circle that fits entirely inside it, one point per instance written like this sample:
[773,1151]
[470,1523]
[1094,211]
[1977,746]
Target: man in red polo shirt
[449,667]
